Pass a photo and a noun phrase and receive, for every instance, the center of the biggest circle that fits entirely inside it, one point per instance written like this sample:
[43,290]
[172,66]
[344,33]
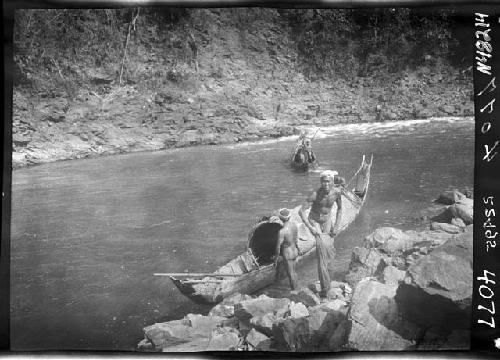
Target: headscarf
[284,214]
[328,173]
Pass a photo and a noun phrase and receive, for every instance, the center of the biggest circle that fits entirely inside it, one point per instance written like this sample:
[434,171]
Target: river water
[87,235]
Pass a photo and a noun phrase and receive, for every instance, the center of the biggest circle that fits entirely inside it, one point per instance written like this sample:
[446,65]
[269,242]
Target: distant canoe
[300,159]
[254,269]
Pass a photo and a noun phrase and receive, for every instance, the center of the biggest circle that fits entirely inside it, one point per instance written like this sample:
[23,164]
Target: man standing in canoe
[319,222]
[288,246]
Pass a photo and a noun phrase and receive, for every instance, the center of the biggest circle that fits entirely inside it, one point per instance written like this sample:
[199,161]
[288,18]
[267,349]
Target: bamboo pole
[195,274]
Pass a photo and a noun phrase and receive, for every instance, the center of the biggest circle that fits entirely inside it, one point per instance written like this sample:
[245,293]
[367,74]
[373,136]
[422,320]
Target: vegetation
[328,42]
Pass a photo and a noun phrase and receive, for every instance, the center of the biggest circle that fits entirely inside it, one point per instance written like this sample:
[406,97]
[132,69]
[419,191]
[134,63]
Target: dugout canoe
[254,268]
[300,160]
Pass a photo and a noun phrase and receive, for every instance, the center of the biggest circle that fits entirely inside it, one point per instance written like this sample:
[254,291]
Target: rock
[430,238]
[298,310]
[339,336]
[335,305]
[463,210]
[449,228]
[145,345]
[446,270]
[335,293]
[292,334]
[457,340]
[225,339]
[377,323]
[222,310]
[170,333]
[426,310]
[392,275]
[370,258]
[305,296]
[389,240]
[236,298]
[433,339]
[264,323]
[199,344]
[449,197]
[458,222]
[257,340]
[445,216]
[366,262]
[204,325]
[259,306]
[432,212]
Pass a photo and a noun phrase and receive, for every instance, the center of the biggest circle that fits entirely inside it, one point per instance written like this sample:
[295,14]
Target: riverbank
[247,80]
[54,129]
[405,290]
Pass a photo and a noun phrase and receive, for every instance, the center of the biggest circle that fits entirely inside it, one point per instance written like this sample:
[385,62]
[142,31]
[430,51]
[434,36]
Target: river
[87,235]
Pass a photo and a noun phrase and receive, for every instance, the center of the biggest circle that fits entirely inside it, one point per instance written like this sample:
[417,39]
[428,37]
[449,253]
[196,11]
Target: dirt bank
[243,83]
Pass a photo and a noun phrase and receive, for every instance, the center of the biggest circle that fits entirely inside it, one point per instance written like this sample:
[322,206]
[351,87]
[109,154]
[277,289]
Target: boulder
[169,333]
[335,305]
[370,258]
[339,336]
[391,241]
[433,339]
[446,270]
[292,334]
[247,309]
[449,228]
[298,310]
[305,296]
[463,210]
[224,339]
[392,275]
[458,222]
[430,238]
[204,325]
[222,310]
[377,322]
[450,197]
[432,211]
[457,340]
[199,344]
[264,323]
[145,345]
[257,341]
[235,299]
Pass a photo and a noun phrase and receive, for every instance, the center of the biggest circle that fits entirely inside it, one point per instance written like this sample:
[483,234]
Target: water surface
[87,235]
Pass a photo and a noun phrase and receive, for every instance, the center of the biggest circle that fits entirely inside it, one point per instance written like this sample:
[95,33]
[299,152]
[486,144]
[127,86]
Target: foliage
[370,41]
[63,43]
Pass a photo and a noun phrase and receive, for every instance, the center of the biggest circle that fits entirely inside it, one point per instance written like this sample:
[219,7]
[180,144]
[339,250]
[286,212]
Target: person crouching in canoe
[288,246]
[319,222]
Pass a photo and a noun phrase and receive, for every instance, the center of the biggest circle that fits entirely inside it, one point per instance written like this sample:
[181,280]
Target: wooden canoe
[300,160]
[254,269]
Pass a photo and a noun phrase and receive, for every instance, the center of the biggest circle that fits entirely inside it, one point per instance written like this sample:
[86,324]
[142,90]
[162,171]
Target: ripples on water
[87,235]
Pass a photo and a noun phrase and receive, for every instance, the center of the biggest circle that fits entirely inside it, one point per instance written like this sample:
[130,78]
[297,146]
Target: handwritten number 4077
[486,293]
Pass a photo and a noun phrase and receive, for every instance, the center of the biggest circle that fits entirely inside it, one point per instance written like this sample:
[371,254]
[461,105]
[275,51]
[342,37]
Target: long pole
[195,274]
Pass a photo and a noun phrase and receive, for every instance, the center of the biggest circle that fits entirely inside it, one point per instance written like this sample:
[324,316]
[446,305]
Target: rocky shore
[405,290]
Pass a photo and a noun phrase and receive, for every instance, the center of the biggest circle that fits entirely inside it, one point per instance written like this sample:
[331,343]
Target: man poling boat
[256,268]
[303,157]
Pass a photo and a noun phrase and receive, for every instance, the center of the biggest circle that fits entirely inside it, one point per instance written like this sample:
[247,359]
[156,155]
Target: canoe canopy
[262,241]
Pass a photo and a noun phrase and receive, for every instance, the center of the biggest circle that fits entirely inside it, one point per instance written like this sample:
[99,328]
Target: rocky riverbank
[246,81]
[405,290]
